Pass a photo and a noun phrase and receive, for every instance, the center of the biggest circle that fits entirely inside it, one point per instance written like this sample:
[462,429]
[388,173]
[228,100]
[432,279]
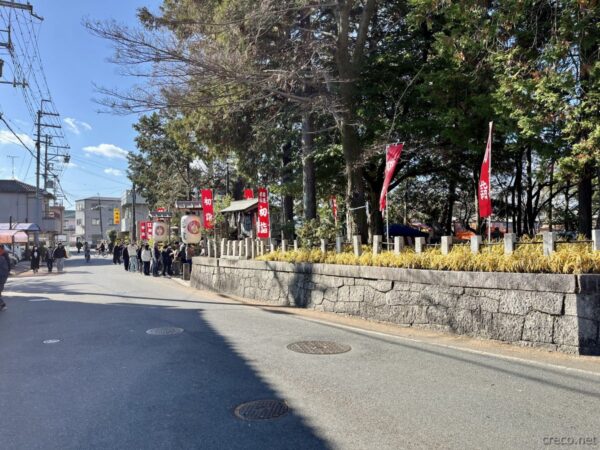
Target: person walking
[78,245]
[86,252]
[156,259]
[126,258]
[132,250]
[102,248]
[167,260]
[4,271]
[60,254]
[35,259]
[117,253]
[139,255]
[146,257]
[50,259]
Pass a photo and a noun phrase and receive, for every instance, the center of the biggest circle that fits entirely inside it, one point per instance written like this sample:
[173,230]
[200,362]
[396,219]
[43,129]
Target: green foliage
[111,235]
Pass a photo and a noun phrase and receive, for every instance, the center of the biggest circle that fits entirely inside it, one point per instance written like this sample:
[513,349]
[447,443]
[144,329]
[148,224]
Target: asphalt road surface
[108,384]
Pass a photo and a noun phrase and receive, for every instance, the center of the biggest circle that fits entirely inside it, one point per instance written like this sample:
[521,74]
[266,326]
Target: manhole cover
[51,341]
[164,331]
[319,347]
[261,410]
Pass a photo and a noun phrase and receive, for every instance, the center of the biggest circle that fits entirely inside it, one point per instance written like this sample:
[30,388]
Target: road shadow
[109,384]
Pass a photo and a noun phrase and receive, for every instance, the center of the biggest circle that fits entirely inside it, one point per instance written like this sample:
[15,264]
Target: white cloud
[71,164]
[75,126]
[114,172]
[107,150]
[7,138]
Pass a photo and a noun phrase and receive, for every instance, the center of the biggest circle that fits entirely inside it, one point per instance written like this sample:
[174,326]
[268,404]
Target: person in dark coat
[125,257]
[167,260]
[50,259]
[117,251]
[4,271]
[139,258]
[35,259]
[60,254]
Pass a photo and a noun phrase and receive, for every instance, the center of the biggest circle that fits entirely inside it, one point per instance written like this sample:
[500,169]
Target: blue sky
[74,61]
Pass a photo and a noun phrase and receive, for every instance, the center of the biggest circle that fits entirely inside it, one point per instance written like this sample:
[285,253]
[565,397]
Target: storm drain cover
[164,331]
[261,410]
[51,341]
[319,347]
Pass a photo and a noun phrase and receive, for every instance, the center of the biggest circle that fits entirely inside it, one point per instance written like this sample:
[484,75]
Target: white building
[94,217]
[141,210]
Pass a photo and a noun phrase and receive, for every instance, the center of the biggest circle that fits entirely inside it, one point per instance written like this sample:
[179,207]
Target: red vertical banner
[484,191]
[248,194]
[392,157]
[264,222]
[208,209]
[334,208]
[143,234]
[149,229]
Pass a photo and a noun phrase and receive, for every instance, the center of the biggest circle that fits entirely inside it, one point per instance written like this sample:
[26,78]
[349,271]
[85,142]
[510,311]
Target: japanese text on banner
[264,222]
[208,209]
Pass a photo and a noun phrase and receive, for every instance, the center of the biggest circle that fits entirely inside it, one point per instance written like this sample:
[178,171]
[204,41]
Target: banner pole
[387,220]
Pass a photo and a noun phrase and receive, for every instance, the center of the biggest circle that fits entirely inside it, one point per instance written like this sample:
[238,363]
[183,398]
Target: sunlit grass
[572,258]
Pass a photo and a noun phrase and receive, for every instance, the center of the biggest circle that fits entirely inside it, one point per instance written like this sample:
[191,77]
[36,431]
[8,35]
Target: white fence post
[446,244]
[549,242]
[419,244]
[509,243]
[376,244]
[357,244]
[475,244]
[595,240]
[398,244]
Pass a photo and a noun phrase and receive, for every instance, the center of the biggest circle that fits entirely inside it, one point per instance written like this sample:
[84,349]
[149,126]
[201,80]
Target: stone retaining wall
[556,312]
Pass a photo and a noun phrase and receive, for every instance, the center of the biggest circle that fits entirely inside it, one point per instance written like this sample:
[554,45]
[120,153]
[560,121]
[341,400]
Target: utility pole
[13,164]
[47,142]
[100,211]
[134,226]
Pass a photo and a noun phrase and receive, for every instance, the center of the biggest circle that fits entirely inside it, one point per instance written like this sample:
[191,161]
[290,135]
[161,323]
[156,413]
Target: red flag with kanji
[391,159]
[248,194]
[334,208]
[484,189]
[263,230]
[208,209]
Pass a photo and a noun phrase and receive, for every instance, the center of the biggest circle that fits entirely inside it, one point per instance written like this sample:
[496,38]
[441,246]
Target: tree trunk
[529,216]
[288,200]
[447,223]
[376,220]
[309,189]
[519,191]
[355,188]
[584,197]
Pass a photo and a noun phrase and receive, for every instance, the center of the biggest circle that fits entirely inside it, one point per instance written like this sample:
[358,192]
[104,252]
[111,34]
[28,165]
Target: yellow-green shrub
[570,258]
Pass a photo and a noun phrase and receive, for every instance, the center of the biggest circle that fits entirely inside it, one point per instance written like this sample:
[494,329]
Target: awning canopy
[30,227]
[241,206]
[10,236]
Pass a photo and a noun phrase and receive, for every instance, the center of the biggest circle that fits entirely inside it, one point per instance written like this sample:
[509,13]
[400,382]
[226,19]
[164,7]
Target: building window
[79,221]
[95,221]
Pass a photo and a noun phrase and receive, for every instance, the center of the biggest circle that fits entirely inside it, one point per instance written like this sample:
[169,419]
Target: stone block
[482,324]
[583,305]
[377,244]
[549,242]
[521,302]
[507,327]
[460,321]
[575,331]
[538,327]
[338,244]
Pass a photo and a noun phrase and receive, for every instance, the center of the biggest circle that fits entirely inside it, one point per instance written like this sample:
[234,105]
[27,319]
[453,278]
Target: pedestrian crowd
[165,259]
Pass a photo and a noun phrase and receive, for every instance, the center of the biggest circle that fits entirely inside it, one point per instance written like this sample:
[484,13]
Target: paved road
[109,384]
